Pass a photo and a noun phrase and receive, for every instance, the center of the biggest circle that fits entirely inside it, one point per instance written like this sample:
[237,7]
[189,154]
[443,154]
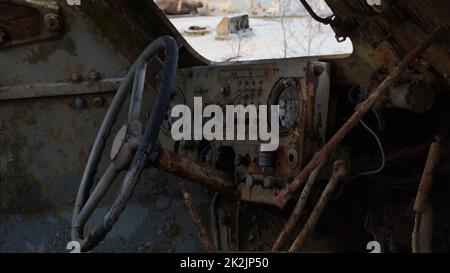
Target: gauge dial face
[288,96]
[290,107]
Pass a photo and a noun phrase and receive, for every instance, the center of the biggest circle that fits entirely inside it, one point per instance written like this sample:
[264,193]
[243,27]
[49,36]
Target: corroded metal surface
[48,122]
[202,175]
[298,210]
[262,83]
[341,169]
[23,22]
[203,234]
[362,110]
[54,93]
[406,22]
[130,26]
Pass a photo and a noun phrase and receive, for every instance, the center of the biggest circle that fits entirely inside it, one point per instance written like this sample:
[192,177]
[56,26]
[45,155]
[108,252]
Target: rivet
[75,78]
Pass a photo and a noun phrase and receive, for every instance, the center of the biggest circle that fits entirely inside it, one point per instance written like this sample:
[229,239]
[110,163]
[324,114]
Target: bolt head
[52,21]
[94,75]
[79,103]
[318,70]
[98,102]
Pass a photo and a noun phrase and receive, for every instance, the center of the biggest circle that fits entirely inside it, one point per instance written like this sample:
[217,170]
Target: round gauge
[286,94]
[289,103]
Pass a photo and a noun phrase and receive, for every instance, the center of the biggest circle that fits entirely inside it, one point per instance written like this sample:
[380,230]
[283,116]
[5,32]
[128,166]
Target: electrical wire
[380,146]
[381,125]
[366,173]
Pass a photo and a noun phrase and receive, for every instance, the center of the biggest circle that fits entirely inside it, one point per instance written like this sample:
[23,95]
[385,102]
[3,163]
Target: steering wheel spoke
[96,196]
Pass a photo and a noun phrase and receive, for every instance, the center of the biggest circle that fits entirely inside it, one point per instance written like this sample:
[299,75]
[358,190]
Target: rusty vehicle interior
[86,153]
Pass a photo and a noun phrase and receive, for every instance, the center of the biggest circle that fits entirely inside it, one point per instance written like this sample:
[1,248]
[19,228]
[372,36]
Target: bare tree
[298,34]
[302,42]
[281,14]
[240,42]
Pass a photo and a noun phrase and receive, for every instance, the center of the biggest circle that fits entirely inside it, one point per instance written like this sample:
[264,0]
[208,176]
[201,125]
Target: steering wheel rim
[86,202]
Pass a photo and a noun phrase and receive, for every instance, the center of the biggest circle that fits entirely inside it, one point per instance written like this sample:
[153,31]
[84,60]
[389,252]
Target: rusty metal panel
[23,22]
[51,105]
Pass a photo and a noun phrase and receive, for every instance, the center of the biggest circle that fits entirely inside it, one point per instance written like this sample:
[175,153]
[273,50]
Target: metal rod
[202,175]
[326,21]
[424,219]
[283,197]
[414,240]
[215,221]
[340,169]
[195,215]
[296,213]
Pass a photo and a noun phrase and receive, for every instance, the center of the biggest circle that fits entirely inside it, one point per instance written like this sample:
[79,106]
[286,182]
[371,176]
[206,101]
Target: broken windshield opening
[242,30]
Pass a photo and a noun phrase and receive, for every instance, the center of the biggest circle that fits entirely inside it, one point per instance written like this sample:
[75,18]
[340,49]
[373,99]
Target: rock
[233,24]
[223,28]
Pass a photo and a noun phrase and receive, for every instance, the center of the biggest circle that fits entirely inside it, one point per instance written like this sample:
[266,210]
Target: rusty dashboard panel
[301,88]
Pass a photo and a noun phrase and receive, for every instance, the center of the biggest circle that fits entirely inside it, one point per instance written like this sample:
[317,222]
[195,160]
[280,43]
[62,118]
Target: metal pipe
[283,197]
[195,215]
[340,170]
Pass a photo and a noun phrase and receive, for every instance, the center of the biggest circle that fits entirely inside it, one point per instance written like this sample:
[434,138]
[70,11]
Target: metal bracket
[58,89]
[25,21]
